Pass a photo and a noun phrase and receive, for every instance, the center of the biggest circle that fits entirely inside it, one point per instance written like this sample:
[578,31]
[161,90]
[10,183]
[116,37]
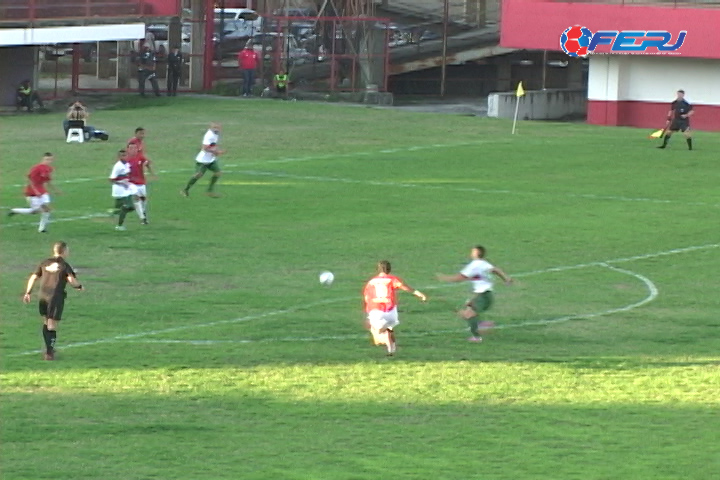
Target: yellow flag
[657,134]
[520,90]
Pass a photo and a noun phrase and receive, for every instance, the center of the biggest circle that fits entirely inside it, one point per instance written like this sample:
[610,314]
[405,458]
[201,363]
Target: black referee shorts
[51,308]
[679,125]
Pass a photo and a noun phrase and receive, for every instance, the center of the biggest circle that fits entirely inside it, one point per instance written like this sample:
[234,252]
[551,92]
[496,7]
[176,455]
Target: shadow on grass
[240,434]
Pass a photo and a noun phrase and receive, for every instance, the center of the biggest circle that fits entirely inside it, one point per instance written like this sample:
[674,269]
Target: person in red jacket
[248,60]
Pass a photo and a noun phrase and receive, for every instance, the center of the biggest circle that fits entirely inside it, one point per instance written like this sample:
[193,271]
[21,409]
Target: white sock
[143,204]
[44,220]
[23,211]
[139,210]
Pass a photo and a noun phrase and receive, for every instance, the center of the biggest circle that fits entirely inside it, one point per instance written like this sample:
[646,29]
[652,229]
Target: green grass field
[205,348]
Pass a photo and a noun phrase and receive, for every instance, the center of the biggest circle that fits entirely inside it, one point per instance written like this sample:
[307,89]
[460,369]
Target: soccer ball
[327,278]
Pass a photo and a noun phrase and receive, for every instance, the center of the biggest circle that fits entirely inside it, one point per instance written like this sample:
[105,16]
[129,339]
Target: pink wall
[520,27]
[648,114]
[169,8]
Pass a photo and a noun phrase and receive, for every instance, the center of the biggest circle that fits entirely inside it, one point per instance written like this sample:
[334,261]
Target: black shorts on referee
[52,307]
[679,125]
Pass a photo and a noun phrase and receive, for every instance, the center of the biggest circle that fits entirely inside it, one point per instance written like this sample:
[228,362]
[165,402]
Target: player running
[138,140]
[207,160]
[478,271]
[381,305]
[138,164]
[54,274]
[122,190]
[36,192]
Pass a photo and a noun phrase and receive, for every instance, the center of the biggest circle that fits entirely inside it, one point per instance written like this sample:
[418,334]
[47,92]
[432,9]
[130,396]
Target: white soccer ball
[327,278]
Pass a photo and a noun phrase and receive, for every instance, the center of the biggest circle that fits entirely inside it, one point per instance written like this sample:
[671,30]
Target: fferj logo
[579,41]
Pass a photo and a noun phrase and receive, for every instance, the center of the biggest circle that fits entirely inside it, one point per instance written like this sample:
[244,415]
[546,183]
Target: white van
[246,14]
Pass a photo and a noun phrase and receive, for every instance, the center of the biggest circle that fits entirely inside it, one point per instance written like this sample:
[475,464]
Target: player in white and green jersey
[479,272]
[207,160]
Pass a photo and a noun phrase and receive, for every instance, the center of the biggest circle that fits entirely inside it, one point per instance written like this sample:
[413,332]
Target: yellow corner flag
[520,90]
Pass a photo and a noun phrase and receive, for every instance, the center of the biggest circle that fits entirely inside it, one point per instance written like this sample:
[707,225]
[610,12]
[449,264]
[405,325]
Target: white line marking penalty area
[652,289]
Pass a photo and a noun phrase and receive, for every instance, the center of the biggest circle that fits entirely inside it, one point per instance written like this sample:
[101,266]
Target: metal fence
[326,54]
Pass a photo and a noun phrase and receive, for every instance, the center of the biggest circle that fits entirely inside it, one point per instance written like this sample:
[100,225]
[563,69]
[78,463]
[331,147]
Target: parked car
[291,51]
[88,51]
[295,12]
[161,33]
[238,14]
[233,38]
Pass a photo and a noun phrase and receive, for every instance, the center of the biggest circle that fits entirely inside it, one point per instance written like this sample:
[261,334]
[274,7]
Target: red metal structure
[325,54]
[90,10]
[340,54]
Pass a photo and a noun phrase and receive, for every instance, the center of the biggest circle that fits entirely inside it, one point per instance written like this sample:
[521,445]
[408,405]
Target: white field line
[590,196]
[131,336]
[390,151]
[390,184]
[382,183]
[329,156]
[58,220]
[653,294]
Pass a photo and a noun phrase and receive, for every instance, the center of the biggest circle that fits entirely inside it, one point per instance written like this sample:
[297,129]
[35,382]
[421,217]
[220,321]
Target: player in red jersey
[138,139]
[138,164]
[381,305]
[36,192]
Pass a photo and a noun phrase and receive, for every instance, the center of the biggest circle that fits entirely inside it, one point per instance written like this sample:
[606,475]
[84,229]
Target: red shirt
[39,175]
[379,293]
[137,168]
[248,59]
[137,141]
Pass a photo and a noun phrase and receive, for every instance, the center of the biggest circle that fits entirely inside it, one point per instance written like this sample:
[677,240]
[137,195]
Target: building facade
[631,89]
[81,43]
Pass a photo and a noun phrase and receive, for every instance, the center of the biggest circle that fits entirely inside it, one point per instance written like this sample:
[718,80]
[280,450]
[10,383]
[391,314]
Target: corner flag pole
[518,93]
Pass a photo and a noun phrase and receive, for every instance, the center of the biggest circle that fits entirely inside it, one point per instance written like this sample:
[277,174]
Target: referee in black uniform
[54,274]
[679,119]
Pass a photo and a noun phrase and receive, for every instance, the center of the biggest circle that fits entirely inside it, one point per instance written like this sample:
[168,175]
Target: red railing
[38,10]
[652,3]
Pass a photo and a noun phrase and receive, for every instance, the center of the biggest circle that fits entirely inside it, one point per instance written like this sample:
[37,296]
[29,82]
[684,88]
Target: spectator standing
[174,71]
[248,60]
[146,70]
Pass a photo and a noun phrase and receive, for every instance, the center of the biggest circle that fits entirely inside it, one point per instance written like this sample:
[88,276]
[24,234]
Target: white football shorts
[37,202]
[120,191]
[379,319]
[140,190]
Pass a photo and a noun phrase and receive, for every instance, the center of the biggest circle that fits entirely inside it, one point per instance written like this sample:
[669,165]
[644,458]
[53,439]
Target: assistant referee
[679,120]
[54,274]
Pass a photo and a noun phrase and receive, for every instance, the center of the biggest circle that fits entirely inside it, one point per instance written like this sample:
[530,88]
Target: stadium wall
[636,90]
[548,104]
[520,27]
